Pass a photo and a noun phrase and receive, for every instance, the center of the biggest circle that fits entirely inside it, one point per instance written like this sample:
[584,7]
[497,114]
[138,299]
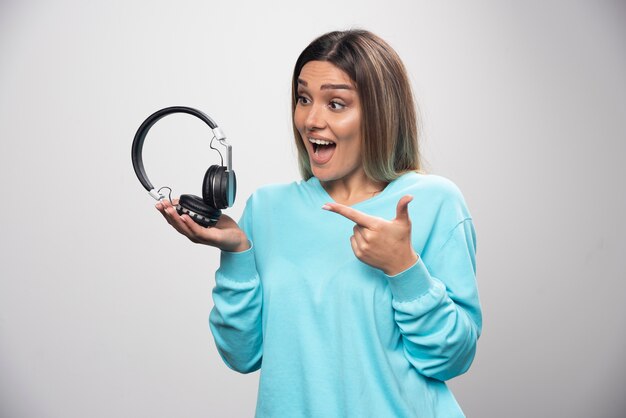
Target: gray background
[103,308]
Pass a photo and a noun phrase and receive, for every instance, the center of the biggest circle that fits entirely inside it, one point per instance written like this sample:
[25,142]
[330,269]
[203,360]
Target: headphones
[219,185]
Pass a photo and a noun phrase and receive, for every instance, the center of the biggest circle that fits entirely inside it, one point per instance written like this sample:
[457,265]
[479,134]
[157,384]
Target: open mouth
[323,150]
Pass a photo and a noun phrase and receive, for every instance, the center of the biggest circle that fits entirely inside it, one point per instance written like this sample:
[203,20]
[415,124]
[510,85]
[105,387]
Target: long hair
[389,125]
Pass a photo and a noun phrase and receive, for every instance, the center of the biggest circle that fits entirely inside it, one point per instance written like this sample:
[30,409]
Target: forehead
[323,72]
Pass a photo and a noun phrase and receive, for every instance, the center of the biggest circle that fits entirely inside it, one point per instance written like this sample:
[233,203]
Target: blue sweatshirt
[334,337]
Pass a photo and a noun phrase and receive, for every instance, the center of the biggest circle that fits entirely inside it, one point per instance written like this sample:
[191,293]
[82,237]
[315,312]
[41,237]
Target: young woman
[354,289]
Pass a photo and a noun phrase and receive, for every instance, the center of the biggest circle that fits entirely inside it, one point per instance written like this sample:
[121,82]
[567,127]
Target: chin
[334,170]
[325,174]
[321,175]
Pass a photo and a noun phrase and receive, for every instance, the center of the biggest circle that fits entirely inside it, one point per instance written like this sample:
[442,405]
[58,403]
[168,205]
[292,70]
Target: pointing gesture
[382,244]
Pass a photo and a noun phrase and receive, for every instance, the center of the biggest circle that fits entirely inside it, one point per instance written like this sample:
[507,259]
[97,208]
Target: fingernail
[326,207]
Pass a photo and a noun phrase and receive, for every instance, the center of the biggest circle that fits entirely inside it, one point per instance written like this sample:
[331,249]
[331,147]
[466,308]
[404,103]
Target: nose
[314,118]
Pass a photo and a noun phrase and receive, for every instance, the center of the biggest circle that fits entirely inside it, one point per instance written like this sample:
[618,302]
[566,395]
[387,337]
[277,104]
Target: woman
[352,302]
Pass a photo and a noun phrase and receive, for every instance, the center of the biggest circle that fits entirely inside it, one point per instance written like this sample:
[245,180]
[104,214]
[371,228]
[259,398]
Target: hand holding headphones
[226,235]
[219,188]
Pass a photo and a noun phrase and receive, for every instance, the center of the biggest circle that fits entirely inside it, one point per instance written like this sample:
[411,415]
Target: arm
[435,299]
[235,319]
[437,308]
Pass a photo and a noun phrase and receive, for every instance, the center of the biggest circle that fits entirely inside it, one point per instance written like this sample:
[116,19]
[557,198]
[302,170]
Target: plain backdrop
[103,307]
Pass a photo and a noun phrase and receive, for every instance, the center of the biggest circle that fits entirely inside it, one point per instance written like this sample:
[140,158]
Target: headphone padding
[207,182]
[215,187]
[221,188]
[198,206]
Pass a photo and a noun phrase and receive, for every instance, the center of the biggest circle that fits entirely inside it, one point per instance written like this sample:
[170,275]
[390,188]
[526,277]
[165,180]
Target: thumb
[402,210]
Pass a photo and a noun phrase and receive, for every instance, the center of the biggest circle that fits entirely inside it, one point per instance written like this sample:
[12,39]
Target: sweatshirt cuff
[239,266]
[411,283]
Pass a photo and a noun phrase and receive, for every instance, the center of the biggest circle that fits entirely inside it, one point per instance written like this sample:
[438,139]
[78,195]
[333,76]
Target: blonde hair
[389,125]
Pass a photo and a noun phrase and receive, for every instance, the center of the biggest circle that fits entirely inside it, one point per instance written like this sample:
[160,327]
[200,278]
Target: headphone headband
[140,136]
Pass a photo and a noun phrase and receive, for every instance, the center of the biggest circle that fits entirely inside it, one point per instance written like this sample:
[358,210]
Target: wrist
[402,265]
[239,245]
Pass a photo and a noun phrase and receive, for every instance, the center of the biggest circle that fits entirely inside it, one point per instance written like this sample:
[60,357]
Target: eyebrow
[328,86]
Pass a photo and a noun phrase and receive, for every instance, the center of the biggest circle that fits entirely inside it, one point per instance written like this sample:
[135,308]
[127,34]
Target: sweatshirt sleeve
[436,306]
[235,319]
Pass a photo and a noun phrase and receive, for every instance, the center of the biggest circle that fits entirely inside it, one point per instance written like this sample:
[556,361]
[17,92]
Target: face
[328,118]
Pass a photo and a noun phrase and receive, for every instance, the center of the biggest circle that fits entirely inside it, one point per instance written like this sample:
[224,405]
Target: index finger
[165,202]
[354,215]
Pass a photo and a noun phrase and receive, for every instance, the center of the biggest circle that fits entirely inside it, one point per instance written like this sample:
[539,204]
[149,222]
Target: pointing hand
[382,244]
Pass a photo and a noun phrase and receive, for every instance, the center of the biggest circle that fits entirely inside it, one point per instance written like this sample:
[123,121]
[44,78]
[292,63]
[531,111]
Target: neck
[352,189]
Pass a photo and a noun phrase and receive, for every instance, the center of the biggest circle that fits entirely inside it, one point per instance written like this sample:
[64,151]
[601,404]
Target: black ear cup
[199,211]
[215,187]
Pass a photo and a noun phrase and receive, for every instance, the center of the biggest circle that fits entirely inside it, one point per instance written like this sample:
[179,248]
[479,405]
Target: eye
[335,105]
[303,100]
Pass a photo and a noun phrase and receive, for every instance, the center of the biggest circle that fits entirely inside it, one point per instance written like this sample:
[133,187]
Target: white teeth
[320,141]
